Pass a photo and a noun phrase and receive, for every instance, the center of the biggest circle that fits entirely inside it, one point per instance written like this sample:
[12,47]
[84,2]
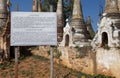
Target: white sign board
[33,28]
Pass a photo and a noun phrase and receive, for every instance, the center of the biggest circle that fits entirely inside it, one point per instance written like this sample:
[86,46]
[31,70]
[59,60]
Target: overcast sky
[90,8]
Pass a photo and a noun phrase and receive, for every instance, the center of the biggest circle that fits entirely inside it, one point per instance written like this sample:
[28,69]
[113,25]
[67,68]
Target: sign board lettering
[33,28]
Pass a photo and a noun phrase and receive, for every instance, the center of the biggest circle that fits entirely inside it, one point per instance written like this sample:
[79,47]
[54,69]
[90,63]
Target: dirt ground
[36,67]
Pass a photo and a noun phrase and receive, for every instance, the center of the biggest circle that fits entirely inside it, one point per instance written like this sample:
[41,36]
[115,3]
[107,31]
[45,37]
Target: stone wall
[77,58]
[101,61]
[108,61]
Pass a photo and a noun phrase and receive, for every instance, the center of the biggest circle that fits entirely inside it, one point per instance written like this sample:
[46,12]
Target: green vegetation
[101,76]
[92,35]
[80,74]
[45,6]
[34,48]
[48,52]
[40,58]
[6,65]
[5,74]
[106,47]
[67,7]
[118,47]
[82,51]
[77,47]
[66,75]
[21,58]
[58,54]
[0,29]
[27,73]
[31,72]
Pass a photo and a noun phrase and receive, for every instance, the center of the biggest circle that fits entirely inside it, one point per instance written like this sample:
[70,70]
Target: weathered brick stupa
[60,21]
[80,35]
[108,27]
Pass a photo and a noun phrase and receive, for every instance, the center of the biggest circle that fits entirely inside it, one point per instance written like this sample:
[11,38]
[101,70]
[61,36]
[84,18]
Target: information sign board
[33,28]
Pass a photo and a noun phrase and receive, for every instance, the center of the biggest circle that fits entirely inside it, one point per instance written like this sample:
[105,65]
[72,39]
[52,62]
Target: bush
[101,76]
[6,65]
[48,52]
[58,54]
[40,58]
[106,47]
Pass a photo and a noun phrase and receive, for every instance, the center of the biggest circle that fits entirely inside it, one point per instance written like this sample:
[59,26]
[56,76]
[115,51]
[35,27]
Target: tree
[54,4]
[45,6]
[67,6]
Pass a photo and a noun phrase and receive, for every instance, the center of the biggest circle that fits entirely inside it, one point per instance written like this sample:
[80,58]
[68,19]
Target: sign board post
[51,52]
[33,29]
[16,62]
[51,62]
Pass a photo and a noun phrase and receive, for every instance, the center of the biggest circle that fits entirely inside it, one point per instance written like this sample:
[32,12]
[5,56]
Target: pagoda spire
[119,5]
[35,6]
[39,6]
[3,6]
[89,27]
[3,12]
[79,29]
[59,7]
[60,21]
[17,7]
[77,10]
[111,6]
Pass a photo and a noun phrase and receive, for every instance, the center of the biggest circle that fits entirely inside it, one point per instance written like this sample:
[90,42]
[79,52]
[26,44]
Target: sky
[90,8]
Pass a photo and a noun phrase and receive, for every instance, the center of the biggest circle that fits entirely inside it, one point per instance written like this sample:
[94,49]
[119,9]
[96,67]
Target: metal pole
[51,62]
[51,52]
[16,62]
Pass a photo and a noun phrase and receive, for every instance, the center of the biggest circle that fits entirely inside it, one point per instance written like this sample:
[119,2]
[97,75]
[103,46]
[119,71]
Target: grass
[12,73]
[118,47]
[58,54]
[106,47]
[4,74]
[40,58]
[31,72]
[48,52]
[101,76]
[66,75]
[6,65]
[84,75]
[79,75]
